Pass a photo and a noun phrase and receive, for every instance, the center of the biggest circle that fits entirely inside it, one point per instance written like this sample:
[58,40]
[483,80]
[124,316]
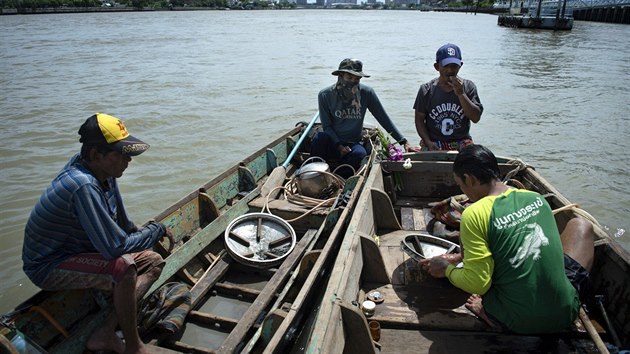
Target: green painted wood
[183,221]
[225,190]
[77,341]
[190,249]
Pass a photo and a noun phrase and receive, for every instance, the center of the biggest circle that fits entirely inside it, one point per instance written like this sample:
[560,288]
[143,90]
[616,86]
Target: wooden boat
[231,292]
[421,314]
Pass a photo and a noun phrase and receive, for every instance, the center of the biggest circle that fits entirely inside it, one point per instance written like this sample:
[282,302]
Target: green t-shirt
[513,257]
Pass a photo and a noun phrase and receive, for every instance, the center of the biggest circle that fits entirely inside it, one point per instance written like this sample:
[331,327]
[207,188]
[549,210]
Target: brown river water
[205,88]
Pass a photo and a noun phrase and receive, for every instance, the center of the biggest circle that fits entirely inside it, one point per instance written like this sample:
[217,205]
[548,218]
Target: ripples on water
[206,88]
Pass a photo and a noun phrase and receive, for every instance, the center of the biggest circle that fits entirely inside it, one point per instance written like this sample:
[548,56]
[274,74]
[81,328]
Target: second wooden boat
[421,314]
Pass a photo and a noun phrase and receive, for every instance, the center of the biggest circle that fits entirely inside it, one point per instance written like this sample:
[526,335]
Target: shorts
[449,145]
[92,270]
[578,276]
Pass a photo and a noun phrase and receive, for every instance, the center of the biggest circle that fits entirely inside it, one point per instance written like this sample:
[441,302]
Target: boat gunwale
[85,325]
[233,169]
[329,319]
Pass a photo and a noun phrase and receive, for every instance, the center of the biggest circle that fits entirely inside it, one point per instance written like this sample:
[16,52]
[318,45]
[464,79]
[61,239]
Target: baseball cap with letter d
[449,54]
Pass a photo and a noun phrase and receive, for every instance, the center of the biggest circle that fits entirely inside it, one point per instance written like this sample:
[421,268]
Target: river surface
[205,88]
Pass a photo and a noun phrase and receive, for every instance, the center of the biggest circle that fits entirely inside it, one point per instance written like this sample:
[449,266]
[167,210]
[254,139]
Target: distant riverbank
[65,10]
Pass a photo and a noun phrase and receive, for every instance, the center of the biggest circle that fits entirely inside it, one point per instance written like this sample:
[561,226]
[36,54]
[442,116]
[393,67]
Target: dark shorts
[446,145]
[578,276]
[92,270]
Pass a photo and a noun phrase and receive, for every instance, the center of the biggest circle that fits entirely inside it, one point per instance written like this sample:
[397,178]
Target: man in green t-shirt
[513,262]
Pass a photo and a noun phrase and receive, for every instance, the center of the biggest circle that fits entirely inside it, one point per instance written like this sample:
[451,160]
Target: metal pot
[310,179]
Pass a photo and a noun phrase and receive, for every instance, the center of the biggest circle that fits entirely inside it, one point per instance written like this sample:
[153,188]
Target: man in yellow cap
[79,234]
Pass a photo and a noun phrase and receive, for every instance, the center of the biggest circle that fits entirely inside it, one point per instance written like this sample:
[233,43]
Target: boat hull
[228,299]
[423,314]
[542,22]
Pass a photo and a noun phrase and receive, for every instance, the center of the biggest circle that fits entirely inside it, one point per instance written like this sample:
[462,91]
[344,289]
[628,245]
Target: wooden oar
[592,332]
[278,174]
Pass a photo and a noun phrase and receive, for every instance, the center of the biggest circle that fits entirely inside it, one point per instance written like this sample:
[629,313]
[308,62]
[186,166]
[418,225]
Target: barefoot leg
[105,338]
[125,305]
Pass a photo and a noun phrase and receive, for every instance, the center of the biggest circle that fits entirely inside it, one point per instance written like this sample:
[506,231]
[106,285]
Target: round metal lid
[259,239]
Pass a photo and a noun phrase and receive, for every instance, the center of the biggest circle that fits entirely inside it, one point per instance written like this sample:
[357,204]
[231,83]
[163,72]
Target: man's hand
[429,144]
[171,240]
[457,84]
[343,150]
[409,148]
[436,266]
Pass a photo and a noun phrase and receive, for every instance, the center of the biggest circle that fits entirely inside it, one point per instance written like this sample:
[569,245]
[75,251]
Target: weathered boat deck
[414,298]
[230,297]
[427,315]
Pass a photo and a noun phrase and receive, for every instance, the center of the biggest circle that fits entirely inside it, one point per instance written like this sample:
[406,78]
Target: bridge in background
[614,11]
[579,4]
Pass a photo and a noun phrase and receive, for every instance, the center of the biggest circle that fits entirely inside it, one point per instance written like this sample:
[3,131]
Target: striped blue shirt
[77,214]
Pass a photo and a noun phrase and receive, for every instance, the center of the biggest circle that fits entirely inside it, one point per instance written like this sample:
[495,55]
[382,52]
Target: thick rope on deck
[520,165]
[292,195]
[581,212]
[516,183]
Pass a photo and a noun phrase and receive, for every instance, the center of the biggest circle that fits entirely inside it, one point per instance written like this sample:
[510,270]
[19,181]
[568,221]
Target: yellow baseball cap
[103,129]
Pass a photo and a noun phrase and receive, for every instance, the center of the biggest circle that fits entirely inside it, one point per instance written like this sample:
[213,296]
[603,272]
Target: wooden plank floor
[415,299]
[422,314]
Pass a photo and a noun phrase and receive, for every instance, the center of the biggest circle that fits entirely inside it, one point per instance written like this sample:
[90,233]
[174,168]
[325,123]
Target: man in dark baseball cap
[342,108]
[446,106]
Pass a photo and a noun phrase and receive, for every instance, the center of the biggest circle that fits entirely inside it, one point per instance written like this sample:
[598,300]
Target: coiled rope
[292,195]
[519,164]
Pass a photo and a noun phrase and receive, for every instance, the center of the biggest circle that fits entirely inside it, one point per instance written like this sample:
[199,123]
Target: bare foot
[105,340]
[475,305]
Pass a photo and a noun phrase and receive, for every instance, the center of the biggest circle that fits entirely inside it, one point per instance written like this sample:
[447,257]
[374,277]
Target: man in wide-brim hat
[342,108]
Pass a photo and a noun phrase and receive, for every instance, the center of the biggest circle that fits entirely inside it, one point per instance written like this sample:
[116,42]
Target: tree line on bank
[138,4]
[33,5]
